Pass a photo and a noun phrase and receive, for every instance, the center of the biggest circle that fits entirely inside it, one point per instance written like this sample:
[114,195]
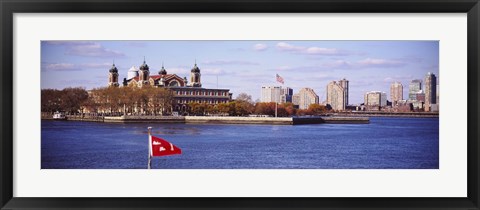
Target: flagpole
[276,107]
[149,148]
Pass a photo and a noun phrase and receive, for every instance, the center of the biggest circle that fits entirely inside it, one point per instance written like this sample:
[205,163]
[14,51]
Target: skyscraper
[430,90]
[286,94]
[375,98]
[414,88]
[305,97]
[337,94]
[396,92]
[271,94]
[344,84]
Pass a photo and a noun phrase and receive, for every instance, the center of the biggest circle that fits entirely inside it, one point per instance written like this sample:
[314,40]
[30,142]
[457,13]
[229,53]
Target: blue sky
[246,66]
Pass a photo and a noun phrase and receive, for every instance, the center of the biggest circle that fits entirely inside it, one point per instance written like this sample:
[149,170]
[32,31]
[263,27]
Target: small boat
[59,116]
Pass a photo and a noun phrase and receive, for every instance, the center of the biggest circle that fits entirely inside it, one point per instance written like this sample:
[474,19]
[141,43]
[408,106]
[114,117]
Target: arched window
[173,84]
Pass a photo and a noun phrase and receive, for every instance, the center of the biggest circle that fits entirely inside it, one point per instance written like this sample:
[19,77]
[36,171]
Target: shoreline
[390,114]
[223,120]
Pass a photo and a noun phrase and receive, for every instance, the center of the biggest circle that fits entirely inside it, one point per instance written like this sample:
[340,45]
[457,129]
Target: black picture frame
[10,7]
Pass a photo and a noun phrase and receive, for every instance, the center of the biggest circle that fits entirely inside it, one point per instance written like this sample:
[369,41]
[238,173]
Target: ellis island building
[184,91]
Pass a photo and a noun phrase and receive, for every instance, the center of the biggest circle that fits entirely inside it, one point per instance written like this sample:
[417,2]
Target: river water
[396,143]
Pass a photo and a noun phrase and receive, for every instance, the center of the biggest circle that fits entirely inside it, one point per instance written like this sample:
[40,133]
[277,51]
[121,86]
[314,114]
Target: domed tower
[113,76]
[195,76]
[162,71]
[132,73]
[144,73]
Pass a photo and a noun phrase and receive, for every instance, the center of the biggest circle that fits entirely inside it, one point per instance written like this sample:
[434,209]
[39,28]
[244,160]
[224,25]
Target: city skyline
[246,66]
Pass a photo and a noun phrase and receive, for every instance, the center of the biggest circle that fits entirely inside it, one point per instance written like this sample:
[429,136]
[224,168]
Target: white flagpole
[276,107]
[149,147]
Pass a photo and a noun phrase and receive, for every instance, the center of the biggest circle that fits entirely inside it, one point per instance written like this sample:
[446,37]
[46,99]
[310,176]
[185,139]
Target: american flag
[280,79]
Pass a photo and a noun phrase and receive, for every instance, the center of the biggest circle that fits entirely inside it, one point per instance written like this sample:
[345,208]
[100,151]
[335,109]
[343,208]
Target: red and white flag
[161,147]
[280,79]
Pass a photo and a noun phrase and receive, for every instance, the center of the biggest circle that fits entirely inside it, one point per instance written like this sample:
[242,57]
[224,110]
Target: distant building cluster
[422,96]
[278,94]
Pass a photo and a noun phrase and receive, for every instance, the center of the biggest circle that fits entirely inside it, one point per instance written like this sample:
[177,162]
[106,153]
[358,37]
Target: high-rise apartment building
[286,94]
[337,94]
[305,97]
[344,84]
[270,94]
[396,93]
[430,90]
[375,98]
[414,88]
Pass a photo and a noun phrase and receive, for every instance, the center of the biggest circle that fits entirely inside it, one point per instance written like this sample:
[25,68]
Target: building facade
[305,97]
[375,100]
[396,93]
[430,90]
[184,92]
[286,95]
[113,76]
[414,88]
[270,94]
[337,94]
[344,84]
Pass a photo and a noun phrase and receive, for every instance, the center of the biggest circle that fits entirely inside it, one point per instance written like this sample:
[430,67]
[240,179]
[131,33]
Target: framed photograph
[239,105]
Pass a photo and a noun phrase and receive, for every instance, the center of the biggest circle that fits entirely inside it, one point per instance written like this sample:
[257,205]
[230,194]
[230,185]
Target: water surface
[398,143]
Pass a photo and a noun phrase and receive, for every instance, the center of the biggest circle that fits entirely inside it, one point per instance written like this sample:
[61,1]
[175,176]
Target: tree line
[158,101]
[108,100]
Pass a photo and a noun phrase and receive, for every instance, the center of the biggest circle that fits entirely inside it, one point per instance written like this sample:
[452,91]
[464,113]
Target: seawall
[144,119]
[216,119]
[389,114]
[240,120]
[221,119]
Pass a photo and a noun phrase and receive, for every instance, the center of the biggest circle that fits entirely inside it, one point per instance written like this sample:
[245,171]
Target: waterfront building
[414,88]
[184,92]
[430,90]
[305,97]
[344,84]
[337,94]
[185,95]
[438,95]
[375,100]
[403,106]
[396,93]
[270,94]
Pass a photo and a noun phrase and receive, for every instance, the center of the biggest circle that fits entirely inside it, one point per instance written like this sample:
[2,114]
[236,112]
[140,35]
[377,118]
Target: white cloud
[74,67]
[384,63]
[60,67]
[365,63]
[229,62]
[283,46]
[87,49]
[97,65]
[214,71]
[260,47]
[179,71]
[398,79]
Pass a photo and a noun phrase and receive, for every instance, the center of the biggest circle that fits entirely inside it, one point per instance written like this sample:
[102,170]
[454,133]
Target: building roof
[133,69]
[156,77]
